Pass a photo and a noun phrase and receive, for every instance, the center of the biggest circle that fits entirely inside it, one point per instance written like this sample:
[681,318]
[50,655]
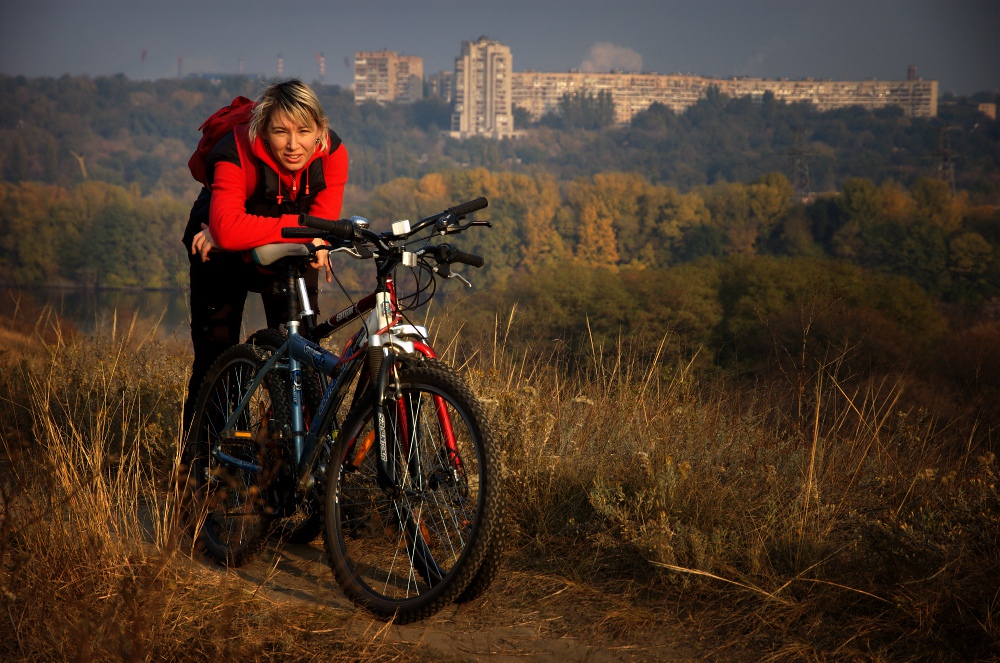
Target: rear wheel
[230,512]
[407,541]
[303,526]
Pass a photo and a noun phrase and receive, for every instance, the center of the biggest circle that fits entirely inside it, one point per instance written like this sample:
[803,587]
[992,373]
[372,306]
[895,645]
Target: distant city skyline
[955,42]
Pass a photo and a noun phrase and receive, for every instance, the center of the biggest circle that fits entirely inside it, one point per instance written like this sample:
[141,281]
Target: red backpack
[213,129]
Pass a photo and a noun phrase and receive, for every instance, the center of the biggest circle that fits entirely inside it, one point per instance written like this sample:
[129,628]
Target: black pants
[219,290]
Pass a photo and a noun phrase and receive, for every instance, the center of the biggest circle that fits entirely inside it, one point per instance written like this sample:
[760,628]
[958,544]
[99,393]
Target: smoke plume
[605,56]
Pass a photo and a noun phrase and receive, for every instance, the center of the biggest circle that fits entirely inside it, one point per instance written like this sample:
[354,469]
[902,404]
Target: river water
[99,311]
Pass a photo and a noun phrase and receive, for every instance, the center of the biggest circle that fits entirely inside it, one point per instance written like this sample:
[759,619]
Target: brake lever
[362,250]
[443,225]
[451,229]
[444,270]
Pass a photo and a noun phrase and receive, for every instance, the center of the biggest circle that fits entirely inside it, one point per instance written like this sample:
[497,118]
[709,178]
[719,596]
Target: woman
[261,176]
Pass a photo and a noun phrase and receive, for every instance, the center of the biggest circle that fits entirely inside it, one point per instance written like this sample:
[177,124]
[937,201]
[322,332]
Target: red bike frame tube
[444,419]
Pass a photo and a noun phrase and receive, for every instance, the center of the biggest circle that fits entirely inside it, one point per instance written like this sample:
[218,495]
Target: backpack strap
[234,148]
[248,162]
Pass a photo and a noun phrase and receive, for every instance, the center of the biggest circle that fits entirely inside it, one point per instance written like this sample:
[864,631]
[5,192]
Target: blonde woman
[261,176]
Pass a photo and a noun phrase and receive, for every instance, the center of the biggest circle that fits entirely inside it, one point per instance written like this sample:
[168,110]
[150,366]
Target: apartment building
[540,92]
[441,85]
[482,90]
[385,76]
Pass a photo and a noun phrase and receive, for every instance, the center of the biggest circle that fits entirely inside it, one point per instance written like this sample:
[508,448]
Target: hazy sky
[956,42]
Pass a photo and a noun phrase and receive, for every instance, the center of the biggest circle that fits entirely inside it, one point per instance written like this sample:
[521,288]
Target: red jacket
[233,185]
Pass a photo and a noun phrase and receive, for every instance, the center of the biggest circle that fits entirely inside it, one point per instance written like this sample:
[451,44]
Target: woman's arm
[235,230]
[329,201]
[231,227]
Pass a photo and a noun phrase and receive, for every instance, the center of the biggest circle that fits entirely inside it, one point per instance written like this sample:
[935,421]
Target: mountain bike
[408,486]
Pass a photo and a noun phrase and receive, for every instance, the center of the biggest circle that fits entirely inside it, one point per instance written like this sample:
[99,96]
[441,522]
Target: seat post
[291,298]
[299,305]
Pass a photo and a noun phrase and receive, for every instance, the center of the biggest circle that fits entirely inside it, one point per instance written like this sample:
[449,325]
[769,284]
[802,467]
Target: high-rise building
[482,90]
[385,76]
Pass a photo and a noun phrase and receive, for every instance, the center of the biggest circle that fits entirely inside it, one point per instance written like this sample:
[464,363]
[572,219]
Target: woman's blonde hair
[295,100]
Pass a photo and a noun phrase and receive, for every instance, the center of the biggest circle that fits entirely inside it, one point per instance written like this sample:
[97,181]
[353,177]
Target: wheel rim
[400,542]
[231,498]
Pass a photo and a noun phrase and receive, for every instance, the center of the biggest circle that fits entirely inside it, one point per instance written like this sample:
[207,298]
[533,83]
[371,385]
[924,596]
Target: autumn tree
[729,204]
[859,210]
[592,223]
[671,222]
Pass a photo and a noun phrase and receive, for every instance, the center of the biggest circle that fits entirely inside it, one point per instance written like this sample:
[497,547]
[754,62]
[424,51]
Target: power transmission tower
[799,159]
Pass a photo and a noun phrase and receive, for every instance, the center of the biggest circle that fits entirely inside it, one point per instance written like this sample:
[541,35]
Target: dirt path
[523,617]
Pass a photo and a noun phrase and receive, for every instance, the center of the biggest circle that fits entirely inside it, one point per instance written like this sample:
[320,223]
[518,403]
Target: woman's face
[292,143]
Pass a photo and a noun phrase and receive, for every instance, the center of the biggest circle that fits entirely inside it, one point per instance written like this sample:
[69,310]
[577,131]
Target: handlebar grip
[340,229]
[469,207]
[447,253]
[468,258]
[301,233]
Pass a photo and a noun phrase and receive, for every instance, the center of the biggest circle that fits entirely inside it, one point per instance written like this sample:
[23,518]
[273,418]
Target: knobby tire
[233,516]
[406,550]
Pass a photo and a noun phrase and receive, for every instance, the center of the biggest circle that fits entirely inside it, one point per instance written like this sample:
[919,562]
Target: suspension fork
[358,449]
[380,379]
[381,361]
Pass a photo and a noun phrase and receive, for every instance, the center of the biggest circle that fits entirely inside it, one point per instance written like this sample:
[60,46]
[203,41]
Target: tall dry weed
[92,562]
[821,522]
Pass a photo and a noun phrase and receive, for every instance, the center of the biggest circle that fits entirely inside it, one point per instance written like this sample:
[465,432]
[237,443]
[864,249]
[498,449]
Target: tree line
[107,235]
[738,274]
[944,243]
[69,129]
[94,234]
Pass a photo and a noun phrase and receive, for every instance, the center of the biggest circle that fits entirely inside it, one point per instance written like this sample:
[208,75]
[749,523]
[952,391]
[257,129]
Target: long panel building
[540,92]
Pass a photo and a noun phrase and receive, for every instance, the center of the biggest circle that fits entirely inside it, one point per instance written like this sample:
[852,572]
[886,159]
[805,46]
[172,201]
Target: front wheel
[405,536]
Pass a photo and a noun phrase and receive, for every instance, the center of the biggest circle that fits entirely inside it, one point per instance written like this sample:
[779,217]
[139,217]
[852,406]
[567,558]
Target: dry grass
[92,566]
[639,493]
[858,529]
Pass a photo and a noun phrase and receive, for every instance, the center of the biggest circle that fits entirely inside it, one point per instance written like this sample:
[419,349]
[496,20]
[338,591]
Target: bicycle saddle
[272,253]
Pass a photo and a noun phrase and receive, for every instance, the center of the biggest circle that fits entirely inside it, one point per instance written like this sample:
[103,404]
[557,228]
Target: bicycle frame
[404,477]
[381,334]
[381,338]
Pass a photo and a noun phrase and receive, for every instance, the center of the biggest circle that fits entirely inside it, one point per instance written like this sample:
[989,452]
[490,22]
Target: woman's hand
[323,260]
[203,243]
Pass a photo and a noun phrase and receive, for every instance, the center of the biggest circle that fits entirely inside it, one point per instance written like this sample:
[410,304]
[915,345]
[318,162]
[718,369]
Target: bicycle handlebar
[469,207]
[302,233]
[342,229]
[347,232]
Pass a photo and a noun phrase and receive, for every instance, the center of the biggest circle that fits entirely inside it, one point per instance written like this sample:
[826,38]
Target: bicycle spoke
[235,521]
[404,542]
